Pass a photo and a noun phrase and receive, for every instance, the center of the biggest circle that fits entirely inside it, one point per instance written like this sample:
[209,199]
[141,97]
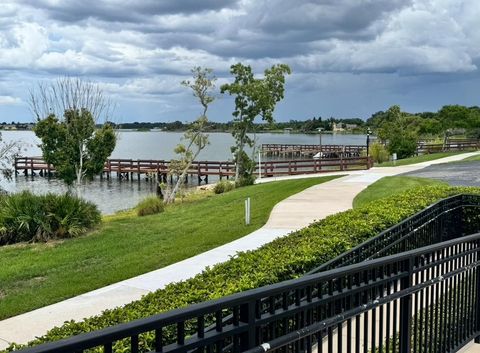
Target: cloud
[9,100]
[121,10]
[141,50]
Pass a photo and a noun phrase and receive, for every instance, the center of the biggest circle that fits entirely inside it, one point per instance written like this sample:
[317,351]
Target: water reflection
[114,195]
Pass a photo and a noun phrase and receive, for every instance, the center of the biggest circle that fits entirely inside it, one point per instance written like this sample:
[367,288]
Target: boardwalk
[296,150]
[159,169]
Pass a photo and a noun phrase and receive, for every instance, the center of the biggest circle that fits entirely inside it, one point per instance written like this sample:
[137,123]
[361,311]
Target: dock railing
[423,298]
[125,168]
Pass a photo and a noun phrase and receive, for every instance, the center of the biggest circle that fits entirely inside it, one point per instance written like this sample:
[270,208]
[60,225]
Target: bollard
[247,211]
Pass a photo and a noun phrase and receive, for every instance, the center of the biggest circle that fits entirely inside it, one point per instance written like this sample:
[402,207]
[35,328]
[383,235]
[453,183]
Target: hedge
[25,217]
[284,258]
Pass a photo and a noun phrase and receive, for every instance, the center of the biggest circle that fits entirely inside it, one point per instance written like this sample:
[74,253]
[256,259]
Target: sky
[349,58]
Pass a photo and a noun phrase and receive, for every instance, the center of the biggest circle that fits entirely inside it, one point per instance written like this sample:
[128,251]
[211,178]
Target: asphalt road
[456,173]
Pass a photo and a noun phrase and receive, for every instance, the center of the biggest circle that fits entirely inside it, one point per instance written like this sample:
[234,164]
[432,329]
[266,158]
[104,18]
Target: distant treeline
[449,117]
[453,118]
[309,125]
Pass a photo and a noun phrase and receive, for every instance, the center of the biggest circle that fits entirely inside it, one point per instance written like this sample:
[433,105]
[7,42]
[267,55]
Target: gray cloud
[122,10]
[143,49]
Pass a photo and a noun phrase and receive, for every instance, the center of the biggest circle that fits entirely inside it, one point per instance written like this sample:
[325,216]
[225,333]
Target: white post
[259,165]
[247,211]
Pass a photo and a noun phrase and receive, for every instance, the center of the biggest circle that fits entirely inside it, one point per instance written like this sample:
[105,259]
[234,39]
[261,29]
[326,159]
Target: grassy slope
[391,185]
[35,275]
[472,158]
[418,159]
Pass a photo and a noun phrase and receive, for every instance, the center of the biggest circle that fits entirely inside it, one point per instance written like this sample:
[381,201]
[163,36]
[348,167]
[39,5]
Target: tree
[202,86]
[399,131]
[8,152]
[67,112]
[456,116]
[253,97]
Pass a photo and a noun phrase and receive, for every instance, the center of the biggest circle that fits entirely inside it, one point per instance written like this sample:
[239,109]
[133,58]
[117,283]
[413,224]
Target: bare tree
[69,93]
[8,152]
[202,87]
[67,111]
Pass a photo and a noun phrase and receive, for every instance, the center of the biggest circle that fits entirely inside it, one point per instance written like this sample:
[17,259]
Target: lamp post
[320,129]
[368,140]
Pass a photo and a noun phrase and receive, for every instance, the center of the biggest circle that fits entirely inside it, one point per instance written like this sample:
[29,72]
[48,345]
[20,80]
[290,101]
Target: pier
[297,150]
[129,169]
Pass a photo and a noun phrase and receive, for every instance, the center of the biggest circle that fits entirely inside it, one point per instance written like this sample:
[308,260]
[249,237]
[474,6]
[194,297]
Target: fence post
[477,301]
[406,308]
[247,316]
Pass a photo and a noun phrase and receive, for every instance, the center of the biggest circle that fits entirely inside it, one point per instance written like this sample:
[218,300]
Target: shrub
[284,258]
[28,217]
[150,205]
[223,186]
[403,144]
[378,152]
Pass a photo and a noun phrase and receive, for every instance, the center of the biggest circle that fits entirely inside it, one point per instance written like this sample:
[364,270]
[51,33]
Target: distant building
[27,126]
[337,127]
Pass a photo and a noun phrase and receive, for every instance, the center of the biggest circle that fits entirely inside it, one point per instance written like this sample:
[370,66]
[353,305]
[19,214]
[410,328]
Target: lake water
[114,195]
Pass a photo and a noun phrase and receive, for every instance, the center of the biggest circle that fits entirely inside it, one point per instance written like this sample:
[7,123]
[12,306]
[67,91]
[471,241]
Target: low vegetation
[150,205]
[285,258]
[392,185]
[25,217]
[223,186]
[124,246]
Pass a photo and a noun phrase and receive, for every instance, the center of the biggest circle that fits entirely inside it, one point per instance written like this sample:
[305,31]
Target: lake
[114,195]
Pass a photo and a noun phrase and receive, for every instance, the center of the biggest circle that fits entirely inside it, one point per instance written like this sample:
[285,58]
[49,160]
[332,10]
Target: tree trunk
[79,172]
[171,197]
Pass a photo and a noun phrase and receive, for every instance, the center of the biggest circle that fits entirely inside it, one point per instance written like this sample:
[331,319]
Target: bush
[28,217]
[378,152]
[150,205]
[403,144]
[284,258]
[223,186]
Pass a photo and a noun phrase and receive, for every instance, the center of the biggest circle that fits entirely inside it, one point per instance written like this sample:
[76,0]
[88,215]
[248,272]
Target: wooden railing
[274,149]
[126,167]
[452,146]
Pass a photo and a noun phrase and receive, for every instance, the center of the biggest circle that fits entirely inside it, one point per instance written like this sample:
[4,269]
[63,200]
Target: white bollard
[247,211]
[259,165]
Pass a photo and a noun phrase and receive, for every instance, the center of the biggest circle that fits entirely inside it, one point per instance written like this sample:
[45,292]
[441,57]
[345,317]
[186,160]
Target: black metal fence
[446,219]
[421,300]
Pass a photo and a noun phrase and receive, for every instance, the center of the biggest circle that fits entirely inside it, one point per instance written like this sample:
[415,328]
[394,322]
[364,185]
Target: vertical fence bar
[477,299]
[247,315]
[406,308]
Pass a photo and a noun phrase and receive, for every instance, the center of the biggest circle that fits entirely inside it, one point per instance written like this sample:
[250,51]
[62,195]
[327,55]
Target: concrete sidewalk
[293,213]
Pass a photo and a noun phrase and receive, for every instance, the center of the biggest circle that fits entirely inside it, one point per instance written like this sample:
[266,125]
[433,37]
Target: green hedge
[285,258]
[25,217]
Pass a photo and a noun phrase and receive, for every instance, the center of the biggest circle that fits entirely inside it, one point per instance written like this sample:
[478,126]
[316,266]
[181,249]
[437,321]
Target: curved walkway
[293,213]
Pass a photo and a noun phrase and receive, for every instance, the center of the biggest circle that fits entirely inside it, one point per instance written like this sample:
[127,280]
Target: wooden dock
[128,169]
[296,150]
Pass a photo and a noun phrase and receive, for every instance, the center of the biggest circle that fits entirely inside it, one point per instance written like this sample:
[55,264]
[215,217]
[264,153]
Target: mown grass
[418,159]
[389,186]
[471,159]
[35,275]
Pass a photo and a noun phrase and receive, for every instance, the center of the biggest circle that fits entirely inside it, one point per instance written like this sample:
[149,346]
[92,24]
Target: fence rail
[127,168]
[328,151]
[467,145]
[424,299]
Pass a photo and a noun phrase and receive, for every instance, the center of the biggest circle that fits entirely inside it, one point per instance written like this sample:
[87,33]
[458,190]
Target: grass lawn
[391,185]
[472,158]
[35,275]
[419,159]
